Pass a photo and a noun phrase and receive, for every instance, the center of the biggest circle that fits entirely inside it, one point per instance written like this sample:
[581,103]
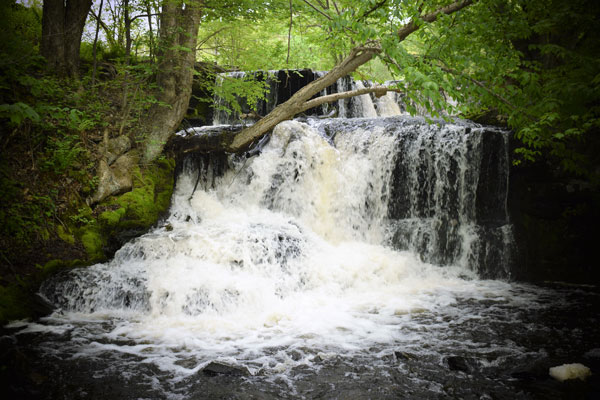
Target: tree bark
[301,100]
[127,21]
[95,48]
[178,33]
[413,25]
[297,103]
[62,27]
[52,48]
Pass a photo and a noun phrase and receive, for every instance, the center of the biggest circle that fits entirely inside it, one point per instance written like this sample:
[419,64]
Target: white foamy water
[286,251]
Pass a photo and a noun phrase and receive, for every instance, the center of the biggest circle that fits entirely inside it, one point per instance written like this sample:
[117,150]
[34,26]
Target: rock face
[557,224]
[115,168]
[116,147]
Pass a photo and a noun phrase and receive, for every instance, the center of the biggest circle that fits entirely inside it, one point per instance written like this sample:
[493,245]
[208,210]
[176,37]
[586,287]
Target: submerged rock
[463,364]
[215,368]
[401,355]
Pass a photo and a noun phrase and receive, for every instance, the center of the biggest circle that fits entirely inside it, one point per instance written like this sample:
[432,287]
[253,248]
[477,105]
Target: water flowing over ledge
[343,254]
[282,84]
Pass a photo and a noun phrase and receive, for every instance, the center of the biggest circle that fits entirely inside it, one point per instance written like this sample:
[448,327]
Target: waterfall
[445,192]
[282,84]
[334,217]
[344,258]
[363,105]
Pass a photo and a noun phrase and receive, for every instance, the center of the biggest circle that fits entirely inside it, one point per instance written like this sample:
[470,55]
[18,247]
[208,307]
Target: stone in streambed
[215,368]
[570,371]
[463,364]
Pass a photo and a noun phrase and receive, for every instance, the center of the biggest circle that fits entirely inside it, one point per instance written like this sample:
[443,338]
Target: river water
[314,270]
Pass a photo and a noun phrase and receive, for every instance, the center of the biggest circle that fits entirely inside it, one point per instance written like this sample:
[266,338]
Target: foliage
[538,70]
[534,63]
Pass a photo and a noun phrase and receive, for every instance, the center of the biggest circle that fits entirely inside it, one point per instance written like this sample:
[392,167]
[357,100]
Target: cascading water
[282,84]
[309,270]
[445,192]
[296,235]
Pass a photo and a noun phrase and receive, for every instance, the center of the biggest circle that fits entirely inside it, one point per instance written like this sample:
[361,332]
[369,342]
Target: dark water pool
[472,349]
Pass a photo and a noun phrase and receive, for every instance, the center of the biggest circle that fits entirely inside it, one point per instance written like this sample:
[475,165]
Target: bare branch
[109,34]
[317,10]
[378,90]
[142,16]
[431,17]
[487,89]
[206,39]
[336,7]
[373,9]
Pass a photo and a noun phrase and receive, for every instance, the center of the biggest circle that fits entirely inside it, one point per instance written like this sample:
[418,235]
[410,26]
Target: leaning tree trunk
[62,27]
[178,33]
[299,102]
[236,142]
[302,100]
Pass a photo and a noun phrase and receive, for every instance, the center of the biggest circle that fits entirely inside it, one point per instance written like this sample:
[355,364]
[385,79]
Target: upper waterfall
[282,84]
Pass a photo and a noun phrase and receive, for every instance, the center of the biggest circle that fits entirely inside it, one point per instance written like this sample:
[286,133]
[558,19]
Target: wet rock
[41,307]
[215,368]
[593,353]
[187,363]
[463,364]
[401,355]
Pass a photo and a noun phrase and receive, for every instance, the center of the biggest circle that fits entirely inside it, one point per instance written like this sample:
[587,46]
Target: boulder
[114,179]
[116,147]
[215,368]
[570,371]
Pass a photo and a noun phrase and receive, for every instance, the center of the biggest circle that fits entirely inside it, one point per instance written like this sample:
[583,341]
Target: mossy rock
[145,203]
[93,241]
[127,216]
[134,212]
[66,236]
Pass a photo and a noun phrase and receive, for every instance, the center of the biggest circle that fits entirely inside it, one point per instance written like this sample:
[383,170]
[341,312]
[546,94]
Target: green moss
[93,242]
[143,205]
[53,266]
[64,235]
[112,218]
[140,209]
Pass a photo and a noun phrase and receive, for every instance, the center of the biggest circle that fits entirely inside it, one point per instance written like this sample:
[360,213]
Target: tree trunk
[301,100]
[127,20]
[52,48]
[178,33]
[298,102]
[151,33]
[62,27]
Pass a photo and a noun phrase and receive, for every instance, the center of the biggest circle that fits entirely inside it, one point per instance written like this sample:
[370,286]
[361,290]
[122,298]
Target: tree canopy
[532,65]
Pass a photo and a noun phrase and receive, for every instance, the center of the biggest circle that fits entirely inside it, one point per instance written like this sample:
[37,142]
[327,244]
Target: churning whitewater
[302,253]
